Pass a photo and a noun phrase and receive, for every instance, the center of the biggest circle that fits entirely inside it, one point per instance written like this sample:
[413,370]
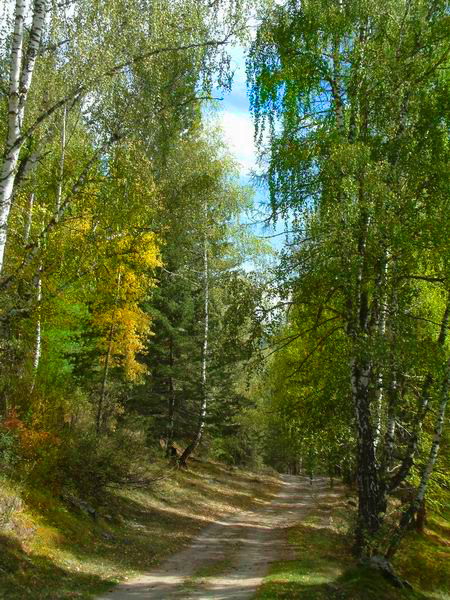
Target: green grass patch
[323,568]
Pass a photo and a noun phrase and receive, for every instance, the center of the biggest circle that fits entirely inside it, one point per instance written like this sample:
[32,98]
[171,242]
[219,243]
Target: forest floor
[50,550]
[322,567]
[295,546]
[231,557]
[211,532]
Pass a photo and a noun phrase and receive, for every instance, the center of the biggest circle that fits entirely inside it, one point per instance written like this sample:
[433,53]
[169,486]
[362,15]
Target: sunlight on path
[231,557]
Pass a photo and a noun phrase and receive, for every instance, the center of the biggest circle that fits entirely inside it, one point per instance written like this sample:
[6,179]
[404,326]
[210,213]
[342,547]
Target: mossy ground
[324,569]
[50,551]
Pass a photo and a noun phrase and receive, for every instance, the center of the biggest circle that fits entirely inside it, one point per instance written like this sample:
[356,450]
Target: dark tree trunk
[171,408]
[370,491]
[421,517]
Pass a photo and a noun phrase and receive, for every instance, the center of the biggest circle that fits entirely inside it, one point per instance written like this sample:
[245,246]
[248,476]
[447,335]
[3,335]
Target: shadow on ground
[292,582]
[324,568]
[73,556]
[26,576]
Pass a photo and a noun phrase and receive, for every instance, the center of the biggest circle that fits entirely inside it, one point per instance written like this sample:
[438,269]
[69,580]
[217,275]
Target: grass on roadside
[324,569]
[50,552]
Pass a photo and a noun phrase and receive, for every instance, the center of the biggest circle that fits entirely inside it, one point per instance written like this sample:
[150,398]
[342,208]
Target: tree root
[382,564]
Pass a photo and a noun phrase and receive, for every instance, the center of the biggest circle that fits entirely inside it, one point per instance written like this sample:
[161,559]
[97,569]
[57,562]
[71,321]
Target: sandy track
[240,548]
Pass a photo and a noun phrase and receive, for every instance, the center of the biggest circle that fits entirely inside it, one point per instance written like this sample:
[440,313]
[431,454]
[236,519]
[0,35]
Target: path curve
[240,548]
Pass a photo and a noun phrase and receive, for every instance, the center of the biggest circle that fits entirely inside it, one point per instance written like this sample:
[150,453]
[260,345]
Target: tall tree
[351,98]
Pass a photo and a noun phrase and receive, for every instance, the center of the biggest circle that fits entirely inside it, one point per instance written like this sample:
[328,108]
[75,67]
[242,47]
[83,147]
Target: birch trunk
[61,165]
[29,220]
[408,461]
[204,403]
[389,438]
[171,407]
[21,74]
[101,402]
[370,497]
[336,91]
[379,395]
[33,248]
[38,336]
[419,499]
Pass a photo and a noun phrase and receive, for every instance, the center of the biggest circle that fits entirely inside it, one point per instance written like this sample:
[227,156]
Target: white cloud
[238,135]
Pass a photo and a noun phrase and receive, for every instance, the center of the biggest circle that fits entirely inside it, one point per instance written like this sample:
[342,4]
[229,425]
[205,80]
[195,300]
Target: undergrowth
[322,567]
[51,550]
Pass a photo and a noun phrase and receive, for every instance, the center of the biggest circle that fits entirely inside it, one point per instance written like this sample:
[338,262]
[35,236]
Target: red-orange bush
[37,451]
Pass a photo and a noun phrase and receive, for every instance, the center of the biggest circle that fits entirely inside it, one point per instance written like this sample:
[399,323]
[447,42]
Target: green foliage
[323,566]
[8,449]
[90,464]
[341,98]
[102,272]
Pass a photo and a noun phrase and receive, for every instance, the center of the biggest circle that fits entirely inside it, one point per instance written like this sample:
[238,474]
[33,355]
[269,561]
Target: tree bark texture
[419,500]
[21,74]
[370,496]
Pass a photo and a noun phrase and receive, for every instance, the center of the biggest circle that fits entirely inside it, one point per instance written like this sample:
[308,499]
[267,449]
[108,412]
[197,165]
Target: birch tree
[84,46]
[193,445]
[344,96]
[23,60]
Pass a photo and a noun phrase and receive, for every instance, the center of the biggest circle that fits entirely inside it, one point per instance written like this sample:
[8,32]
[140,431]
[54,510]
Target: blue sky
[235,116]
[237,125]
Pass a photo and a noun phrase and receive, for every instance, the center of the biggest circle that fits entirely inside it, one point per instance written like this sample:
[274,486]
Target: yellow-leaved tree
[125,278]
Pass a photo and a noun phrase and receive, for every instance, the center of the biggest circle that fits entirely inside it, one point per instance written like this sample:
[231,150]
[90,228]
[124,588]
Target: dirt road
[229,559]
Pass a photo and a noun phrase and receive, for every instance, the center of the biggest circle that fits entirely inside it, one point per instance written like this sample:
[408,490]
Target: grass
[425,559]
[51,552]
[323,568]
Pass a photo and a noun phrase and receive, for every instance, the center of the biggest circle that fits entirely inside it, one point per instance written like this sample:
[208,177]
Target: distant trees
[193,363]
[127,309]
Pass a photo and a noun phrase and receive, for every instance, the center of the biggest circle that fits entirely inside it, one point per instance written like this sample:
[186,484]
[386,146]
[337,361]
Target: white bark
[391,423]
[29,220]
[38,336]
[205,345]
[424,401]
[38,351]
[204,381]
[61,163]
[12,148]
[409,515]
[379,398]
[337,98]
[21,74]
[434,450]
[205,336]
[101,402]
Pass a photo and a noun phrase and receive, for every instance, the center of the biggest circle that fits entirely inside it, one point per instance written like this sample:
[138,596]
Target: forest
[168,323]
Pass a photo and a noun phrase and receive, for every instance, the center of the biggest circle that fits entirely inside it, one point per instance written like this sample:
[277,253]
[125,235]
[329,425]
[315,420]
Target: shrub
[92,463]
[236,451]
[33,453]
[8,448]
[77,460]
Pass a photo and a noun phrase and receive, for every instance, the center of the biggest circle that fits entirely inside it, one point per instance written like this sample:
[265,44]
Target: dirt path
[229,559]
